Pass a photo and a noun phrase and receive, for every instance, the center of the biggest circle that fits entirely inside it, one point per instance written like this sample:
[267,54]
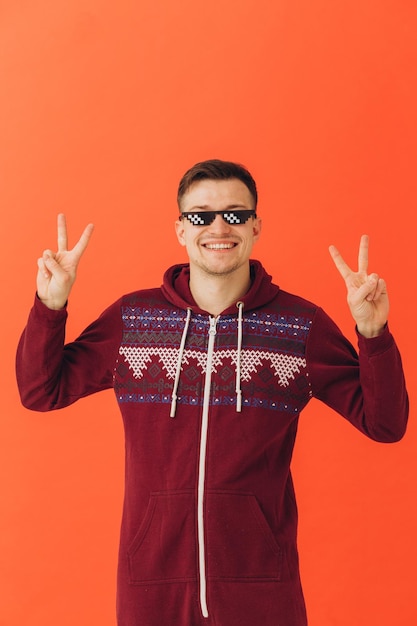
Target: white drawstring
[179,362]
[238,360]
[238,356]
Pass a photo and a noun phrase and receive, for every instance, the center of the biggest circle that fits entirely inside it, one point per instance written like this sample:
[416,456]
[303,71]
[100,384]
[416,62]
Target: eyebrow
[206,207]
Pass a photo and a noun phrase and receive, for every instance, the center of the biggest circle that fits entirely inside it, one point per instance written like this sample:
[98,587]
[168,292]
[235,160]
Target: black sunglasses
[204,218]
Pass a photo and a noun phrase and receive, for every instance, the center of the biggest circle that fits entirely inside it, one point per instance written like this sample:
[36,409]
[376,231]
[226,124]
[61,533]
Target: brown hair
[215,169]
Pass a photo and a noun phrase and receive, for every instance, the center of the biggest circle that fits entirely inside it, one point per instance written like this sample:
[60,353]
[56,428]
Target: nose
[219,225]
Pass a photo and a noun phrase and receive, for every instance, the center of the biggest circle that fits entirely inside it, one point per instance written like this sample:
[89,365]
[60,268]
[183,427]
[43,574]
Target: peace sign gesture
[57,270]
[366,293]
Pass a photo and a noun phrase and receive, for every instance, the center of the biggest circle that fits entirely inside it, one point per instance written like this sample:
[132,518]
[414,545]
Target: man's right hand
[57,270]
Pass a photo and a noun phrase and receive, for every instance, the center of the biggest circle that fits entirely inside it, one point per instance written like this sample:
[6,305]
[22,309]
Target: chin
[221,269]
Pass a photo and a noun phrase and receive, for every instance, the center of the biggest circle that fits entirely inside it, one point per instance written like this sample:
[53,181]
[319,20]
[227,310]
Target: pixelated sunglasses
[204,218]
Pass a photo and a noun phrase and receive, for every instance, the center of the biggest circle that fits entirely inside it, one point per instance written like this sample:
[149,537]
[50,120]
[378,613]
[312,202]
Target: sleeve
[367,388]
[52,375]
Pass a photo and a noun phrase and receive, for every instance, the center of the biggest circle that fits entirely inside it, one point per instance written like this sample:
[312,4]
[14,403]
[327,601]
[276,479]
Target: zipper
[202,470]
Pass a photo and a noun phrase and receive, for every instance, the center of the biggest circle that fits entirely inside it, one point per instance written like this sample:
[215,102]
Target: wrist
[52,305]
[369,332]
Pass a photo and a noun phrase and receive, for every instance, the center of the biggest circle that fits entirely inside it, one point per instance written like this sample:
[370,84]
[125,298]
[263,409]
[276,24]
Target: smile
[219,246]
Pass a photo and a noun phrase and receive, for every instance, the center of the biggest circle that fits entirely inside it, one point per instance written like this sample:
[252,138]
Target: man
[211,372]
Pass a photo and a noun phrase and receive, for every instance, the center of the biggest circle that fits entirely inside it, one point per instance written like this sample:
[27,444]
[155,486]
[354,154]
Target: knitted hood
[176,289]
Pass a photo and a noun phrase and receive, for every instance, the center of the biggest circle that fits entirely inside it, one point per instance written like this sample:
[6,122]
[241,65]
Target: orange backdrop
[101,111]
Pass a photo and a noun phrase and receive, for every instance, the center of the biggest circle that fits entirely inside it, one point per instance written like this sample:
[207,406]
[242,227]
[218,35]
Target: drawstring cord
[179,362]
[238,360]
[238,356]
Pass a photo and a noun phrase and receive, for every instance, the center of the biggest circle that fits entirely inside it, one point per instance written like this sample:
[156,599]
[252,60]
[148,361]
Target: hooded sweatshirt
[210,407]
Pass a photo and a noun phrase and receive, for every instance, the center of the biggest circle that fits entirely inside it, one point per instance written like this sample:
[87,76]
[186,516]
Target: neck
[215,293]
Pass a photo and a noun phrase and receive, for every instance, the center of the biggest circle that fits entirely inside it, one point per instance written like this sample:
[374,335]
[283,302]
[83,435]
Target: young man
[211,372]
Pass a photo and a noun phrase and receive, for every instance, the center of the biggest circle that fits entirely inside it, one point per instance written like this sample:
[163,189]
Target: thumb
[47,264]
[50,262]
[371,285]
[62,278]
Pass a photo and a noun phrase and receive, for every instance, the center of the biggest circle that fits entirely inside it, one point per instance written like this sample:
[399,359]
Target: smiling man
[211,372]
[218,226]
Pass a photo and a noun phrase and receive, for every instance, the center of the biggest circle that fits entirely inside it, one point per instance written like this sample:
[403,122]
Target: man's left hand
[366,293]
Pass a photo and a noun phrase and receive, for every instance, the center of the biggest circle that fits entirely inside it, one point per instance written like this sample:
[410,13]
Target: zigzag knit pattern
[273,368]
[283,365]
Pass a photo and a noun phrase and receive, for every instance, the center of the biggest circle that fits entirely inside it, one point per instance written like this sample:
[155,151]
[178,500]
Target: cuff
[375,345]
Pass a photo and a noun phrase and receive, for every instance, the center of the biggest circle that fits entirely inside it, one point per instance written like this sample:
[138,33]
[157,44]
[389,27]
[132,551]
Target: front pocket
[240,543]
[163,549]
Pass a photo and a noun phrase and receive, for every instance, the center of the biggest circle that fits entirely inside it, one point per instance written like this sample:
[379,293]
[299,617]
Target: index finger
[62,233]
[363,254]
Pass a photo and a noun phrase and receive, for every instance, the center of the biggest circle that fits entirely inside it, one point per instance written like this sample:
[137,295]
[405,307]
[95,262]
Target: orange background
[101,111]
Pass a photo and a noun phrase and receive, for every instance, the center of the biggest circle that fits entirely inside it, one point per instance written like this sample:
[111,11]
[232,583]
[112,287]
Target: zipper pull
[213,324]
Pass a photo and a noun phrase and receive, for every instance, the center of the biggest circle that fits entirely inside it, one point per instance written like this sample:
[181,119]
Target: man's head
[215,169]
[218,224]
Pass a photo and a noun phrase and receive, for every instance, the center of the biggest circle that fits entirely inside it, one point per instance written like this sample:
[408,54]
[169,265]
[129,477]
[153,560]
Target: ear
[257,227]
[179,230]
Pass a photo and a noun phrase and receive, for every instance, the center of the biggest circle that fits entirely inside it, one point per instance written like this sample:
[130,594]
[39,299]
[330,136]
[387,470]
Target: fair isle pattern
[257,323]
[283,365]
[262,323]
[273,368]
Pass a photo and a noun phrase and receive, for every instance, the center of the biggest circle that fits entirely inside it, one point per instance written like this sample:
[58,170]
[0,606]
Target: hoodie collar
[176,288]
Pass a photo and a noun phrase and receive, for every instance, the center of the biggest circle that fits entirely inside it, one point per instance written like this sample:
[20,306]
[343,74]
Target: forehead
[215,195]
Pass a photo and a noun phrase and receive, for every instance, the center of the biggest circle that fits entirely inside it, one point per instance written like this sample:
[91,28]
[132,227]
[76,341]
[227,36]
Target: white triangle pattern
[284,365]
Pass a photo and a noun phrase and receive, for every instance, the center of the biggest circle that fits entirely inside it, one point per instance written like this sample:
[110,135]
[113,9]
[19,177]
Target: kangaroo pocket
[163,549]
[240,542]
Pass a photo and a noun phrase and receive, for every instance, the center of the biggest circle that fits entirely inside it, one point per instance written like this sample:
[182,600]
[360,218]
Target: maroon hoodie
[210,409]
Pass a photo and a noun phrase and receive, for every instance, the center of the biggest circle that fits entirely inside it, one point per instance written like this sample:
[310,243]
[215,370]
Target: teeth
[219,246]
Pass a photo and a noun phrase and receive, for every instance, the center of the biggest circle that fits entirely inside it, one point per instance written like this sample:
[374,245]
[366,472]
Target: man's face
[218,248]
